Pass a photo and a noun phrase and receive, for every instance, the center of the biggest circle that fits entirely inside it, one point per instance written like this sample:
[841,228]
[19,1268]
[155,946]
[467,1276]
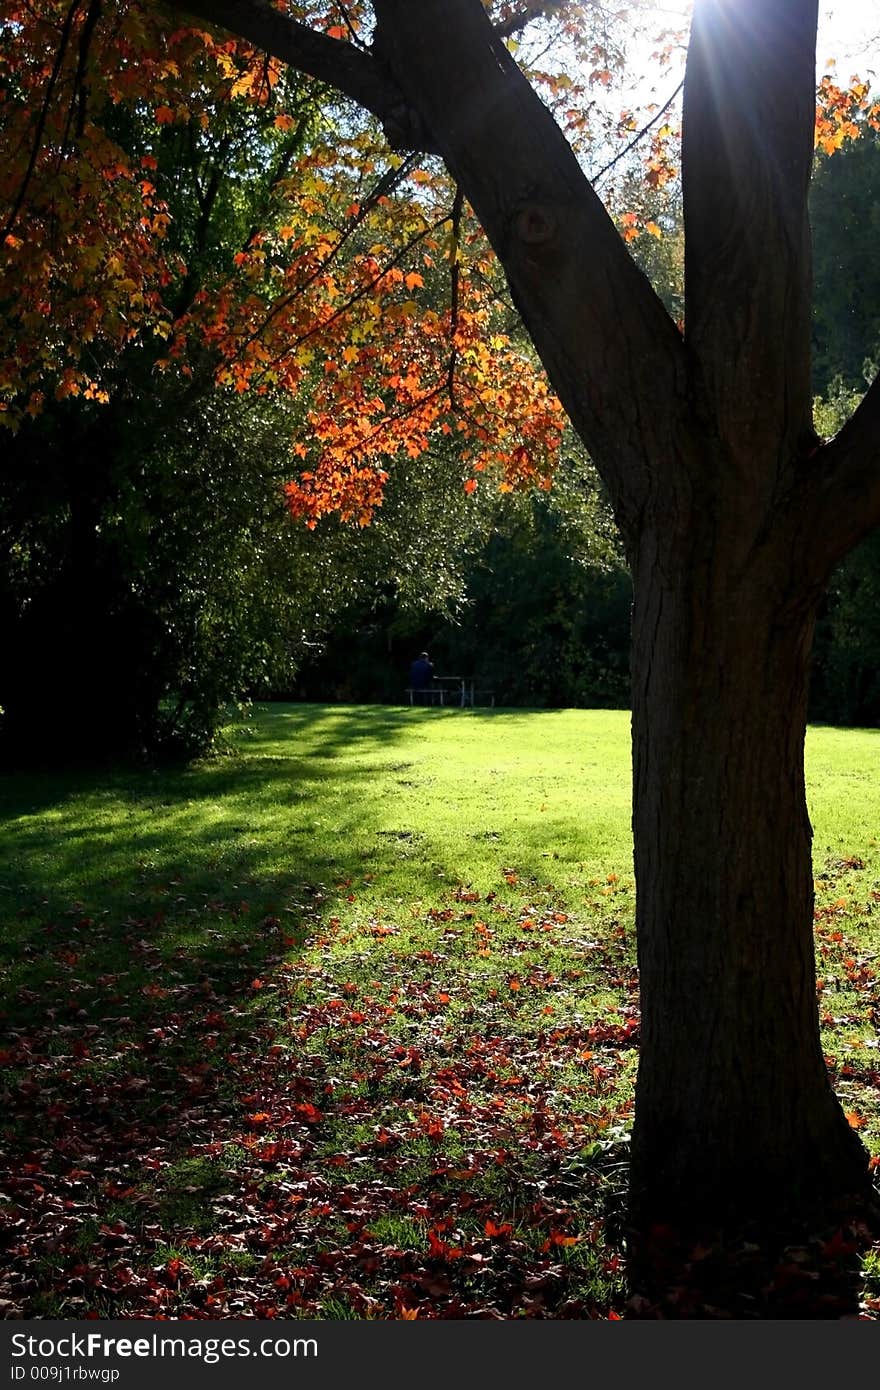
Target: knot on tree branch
[534,224]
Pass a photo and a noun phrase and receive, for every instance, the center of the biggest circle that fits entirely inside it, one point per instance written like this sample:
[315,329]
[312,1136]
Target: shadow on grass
[141,956]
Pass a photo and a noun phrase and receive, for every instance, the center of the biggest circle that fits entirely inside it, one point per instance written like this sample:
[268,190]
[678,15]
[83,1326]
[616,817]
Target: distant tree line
[542,618]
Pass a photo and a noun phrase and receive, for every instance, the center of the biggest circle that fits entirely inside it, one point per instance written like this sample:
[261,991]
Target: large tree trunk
[735,1114]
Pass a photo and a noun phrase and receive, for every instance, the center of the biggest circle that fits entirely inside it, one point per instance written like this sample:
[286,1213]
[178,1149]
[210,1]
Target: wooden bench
[432,696]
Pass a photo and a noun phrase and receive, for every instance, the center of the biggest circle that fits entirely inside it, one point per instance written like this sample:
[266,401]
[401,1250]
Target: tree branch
[613,354]
[515,24]
[350,70]
[639,135]
[454,292]
[848,480]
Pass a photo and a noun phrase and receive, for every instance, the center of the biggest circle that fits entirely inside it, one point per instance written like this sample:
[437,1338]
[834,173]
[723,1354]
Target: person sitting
[421,673]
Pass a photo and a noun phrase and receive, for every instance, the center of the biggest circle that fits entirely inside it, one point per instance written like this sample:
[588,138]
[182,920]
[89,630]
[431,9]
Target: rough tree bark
[733,515]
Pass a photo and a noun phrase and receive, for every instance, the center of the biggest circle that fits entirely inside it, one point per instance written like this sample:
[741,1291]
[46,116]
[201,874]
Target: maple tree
[92,246]
[732,510]
[184,218]
[733,513]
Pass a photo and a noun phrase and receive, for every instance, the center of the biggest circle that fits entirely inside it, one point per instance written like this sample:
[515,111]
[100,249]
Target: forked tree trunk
[735,1116]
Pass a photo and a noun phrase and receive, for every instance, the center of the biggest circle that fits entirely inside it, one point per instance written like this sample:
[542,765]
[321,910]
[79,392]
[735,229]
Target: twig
[636,138]
[454,285]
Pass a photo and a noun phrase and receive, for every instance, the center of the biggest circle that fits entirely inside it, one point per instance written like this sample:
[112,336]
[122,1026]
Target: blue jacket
[421,673]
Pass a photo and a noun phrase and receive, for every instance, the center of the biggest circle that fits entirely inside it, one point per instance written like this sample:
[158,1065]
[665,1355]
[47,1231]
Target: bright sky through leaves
[849,32]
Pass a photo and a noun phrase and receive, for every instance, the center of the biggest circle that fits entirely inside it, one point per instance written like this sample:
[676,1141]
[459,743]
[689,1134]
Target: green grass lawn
[344,1023]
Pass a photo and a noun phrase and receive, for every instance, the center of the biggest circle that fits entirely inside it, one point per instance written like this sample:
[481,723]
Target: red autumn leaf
[559,1238]
[308,1112]
[492,1230]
